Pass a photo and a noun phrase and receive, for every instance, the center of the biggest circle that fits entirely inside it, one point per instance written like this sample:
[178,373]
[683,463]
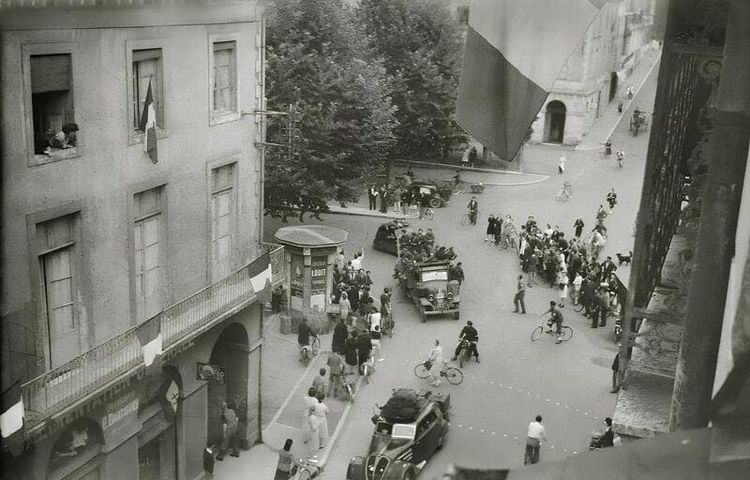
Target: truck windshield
[435,275]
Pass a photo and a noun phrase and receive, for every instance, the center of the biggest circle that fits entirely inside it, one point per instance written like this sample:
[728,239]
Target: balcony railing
[122,355]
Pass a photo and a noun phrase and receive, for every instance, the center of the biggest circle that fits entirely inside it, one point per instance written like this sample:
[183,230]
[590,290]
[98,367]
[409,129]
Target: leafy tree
[317,62]
[421,46]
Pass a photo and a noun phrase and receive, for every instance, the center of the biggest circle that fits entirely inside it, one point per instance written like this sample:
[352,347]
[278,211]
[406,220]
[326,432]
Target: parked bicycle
[452,374]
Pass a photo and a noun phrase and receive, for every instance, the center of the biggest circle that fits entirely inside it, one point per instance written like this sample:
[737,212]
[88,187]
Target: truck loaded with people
[429,274]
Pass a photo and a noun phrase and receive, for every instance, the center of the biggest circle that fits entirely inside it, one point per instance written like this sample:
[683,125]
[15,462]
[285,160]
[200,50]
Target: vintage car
[398,451]
[385,237]
[439,193]
[428,287]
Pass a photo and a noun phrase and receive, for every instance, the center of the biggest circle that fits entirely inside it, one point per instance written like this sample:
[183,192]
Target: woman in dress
[345,305]
[320,412]
[310,423]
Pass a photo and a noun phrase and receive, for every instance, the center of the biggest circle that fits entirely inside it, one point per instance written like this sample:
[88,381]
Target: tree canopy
[317,62]
[421,47]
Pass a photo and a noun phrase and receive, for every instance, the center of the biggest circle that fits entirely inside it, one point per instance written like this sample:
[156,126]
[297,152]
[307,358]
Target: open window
[53,114]
[147,70]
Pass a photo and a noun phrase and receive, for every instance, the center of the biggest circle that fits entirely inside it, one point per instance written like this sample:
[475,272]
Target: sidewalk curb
[339,427]
[449,166]
[645,78]
[345,211]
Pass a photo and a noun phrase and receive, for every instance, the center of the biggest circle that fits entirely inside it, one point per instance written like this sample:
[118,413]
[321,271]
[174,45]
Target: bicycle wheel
[566,333]
[421,371]
[536,333]
[465,219]
[462,357]
[429,214]
[315,346]
[453,375]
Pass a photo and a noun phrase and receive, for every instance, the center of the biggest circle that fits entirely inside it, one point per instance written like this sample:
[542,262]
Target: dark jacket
[350,351]
[608,439]
[339,337]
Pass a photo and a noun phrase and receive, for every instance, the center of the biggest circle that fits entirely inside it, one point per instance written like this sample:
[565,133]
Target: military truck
[427,285]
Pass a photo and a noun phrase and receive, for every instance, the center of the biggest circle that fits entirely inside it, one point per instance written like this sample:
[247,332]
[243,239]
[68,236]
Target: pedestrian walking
[230,423]
[490,228]
[335,371]
[615,373]
[561,164]
[320,411]
[340,332]
[310,423]
[578,225]
[285,462]
[364,347]
[319,383]
[520,294]
[350,352]
[372,196]
[375,337]
[345,306]
[536,435]
[612,199]
[577,281]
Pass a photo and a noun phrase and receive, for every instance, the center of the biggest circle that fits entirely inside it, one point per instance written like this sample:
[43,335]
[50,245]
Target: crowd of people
[573,265]
[418,246]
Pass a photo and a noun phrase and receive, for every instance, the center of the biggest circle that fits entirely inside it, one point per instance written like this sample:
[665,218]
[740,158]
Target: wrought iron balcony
[122,356]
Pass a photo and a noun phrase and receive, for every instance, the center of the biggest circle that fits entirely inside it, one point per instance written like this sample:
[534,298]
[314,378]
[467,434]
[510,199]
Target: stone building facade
[107,252]
[597,72]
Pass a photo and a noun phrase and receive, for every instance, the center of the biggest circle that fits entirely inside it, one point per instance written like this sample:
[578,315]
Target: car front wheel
[436,202]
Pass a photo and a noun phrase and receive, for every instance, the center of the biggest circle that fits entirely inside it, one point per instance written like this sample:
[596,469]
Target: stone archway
[230,353]
[75,446]
[554,122]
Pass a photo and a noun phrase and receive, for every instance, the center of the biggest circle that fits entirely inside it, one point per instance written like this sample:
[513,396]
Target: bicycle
[428,214]
[388,325]
[452,374]
[308,352]
[566,332]
[466,218]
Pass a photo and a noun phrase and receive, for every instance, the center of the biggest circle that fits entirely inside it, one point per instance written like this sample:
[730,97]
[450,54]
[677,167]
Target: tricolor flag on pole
[149,334]
[12,413]
[148,125]
[260,277]
[515,50]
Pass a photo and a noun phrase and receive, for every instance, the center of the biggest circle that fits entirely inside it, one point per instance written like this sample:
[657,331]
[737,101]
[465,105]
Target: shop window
[54,128]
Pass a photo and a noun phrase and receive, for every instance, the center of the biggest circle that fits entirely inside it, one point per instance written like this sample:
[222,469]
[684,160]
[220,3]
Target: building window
[222,220]
[224,94]
[147,69]
[55,130]
[147,228]
[57,268]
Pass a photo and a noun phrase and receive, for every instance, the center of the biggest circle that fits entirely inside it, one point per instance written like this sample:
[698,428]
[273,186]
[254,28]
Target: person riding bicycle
[620,157]
[303,335]
[556,317]
[473,207]
[468,335]
[608,147]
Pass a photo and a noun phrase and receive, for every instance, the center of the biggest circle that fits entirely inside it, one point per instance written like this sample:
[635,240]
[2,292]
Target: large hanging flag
[12,412]
[148,125]
[149,334]
[260,277]
[515,50]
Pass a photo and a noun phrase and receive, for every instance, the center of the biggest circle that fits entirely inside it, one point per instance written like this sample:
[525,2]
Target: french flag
[148,125]
[515,49]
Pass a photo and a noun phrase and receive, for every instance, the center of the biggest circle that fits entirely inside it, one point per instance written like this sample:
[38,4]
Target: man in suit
[372,195]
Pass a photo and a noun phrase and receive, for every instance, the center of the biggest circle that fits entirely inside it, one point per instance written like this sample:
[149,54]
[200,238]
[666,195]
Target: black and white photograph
[374,239]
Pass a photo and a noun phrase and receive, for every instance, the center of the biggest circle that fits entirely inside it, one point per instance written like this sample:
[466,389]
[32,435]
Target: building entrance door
[554,124]
[156,458]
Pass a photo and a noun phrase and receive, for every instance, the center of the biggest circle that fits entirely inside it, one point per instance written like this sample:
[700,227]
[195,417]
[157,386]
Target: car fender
[397,469]
[356,469]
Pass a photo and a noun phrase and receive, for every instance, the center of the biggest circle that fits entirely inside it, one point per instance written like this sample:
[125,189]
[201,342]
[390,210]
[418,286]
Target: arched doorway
[554,122]
[230,355]
[612,85]
[75,447]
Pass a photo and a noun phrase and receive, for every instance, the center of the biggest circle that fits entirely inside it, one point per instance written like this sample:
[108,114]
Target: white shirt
[357,263]
[436,354]
[536,430]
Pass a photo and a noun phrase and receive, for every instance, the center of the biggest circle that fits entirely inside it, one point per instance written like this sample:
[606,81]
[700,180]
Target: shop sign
[213,374]
[120,410]
[298,276]
[319,274]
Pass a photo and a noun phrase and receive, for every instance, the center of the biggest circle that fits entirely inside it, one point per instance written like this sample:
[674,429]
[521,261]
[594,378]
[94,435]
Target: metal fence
[51,392]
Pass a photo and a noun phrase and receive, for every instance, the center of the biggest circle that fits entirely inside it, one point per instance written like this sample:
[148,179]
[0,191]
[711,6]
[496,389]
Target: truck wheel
[408,475]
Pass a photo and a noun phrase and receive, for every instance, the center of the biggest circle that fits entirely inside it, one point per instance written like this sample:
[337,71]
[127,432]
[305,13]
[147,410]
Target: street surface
[568,384]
